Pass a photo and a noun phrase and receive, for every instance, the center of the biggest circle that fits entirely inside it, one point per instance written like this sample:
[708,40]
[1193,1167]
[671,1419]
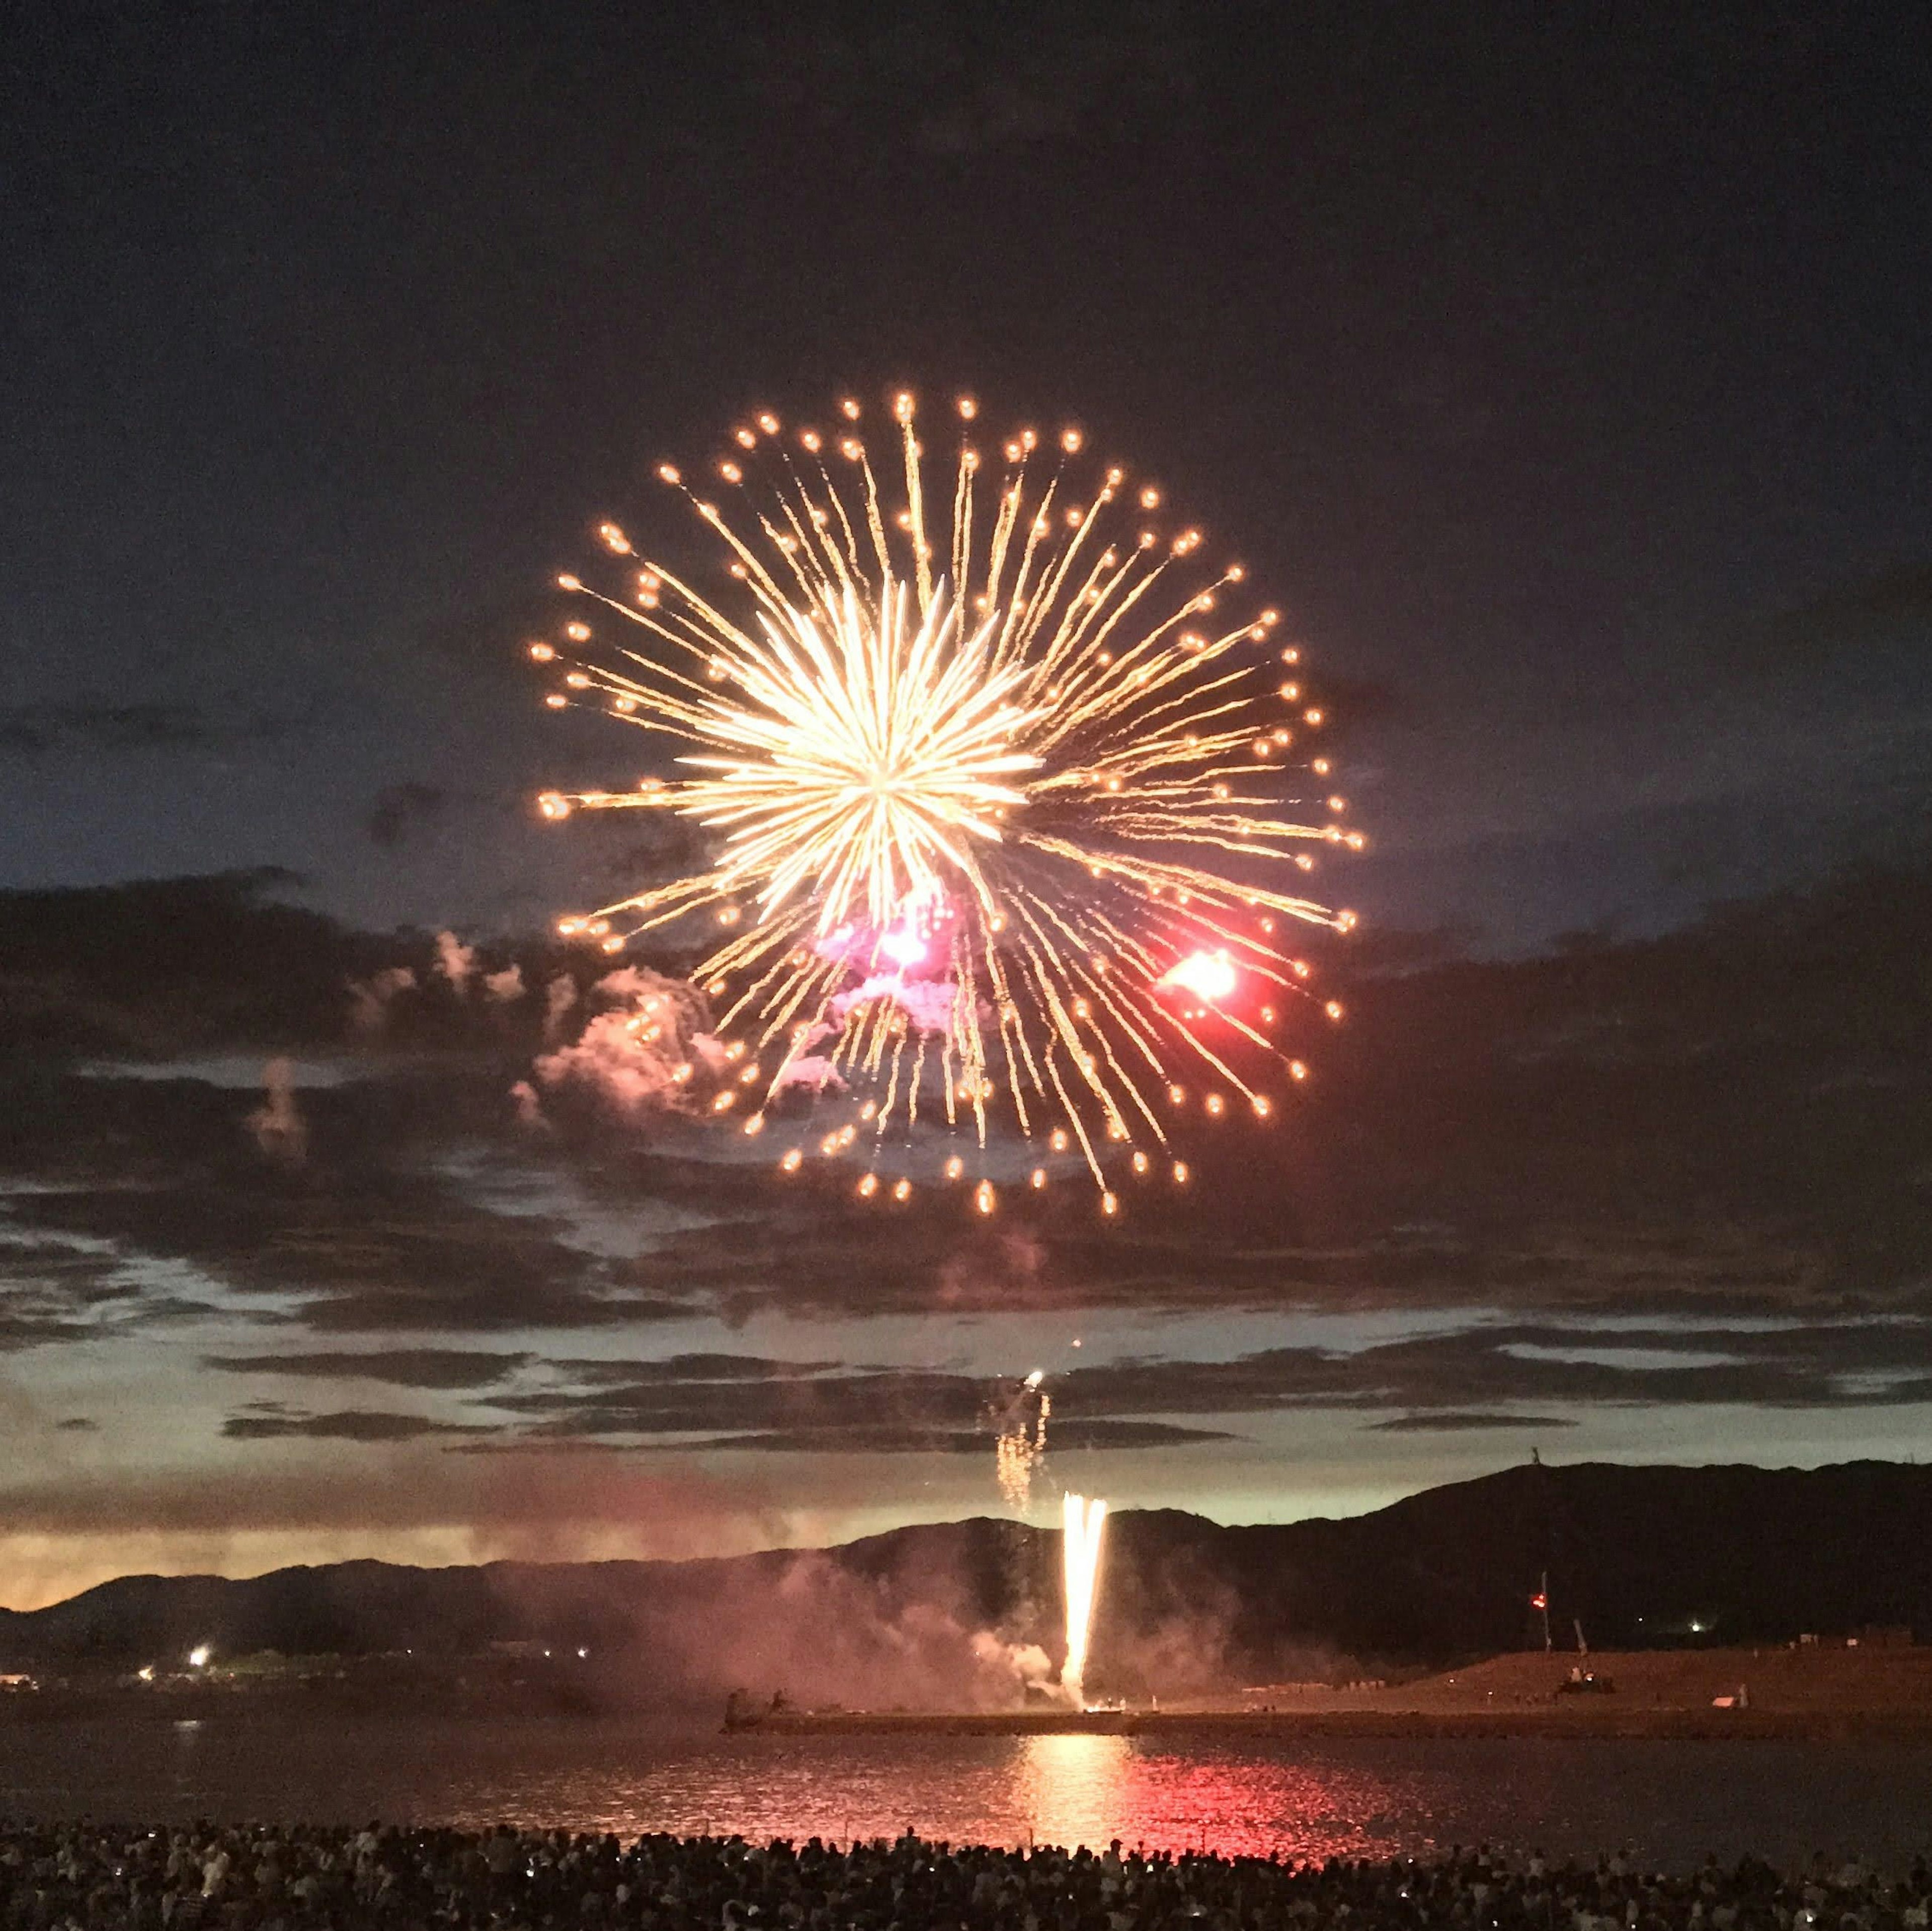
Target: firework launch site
[1875,1688]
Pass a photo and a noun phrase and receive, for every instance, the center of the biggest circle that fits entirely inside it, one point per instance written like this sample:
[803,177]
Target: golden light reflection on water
[1072,1789]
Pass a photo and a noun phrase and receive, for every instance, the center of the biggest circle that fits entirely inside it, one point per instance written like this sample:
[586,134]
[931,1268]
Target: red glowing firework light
[1208,976]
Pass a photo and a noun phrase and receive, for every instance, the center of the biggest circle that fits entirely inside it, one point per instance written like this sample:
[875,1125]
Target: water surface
[1671,1800]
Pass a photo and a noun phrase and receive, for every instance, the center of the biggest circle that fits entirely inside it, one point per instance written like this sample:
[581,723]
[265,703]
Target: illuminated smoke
[369,999]
[651,1050]
[530,1107]
[455,961]
[503,987]
[1085,1519]
[1027,1665]
[810,1074]
[559,996]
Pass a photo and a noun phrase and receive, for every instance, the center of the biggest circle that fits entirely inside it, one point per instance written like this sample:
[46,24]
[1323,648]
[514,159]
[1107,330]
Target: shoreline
[1689,1726]
[1800,1694]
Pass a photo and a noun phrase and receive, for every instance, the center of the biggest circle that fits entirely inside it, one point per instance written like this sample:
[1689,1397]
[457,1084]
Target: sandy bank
[1825,1694]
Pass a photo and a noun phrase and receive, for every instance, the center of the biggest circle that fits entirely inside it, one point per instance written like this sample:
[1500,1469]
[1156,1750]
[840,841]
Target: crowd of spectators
[92,1877]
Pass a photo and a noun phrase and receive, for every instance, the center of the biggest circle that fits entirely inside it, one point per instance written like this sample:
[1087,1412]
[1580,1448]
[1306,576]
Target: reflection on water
[1238,1803]
[1073,1790]
[1672,1802]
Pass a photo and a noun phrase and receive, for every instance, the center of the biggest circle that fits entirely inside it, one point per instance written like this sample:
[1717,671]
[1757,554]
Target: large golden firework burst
[1001,791]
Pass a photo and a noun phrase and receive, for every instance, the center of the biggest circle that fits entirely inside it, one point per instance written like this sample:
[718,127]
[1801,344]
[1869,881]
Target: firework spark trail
[1012,799]
[1085,1518]
[1019,1441]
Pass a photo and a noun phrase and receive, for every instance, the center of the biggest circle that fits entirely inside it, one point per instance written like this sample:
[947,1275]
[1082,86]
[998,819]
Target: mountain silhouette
[1639,1556]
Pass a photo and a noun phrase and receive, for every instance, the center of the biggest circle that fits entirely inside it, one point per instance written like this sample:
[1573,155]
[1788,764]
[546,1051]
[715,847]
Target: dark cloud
[400,810]
[345,1425]
[1491,1377]
[171,964]
[863,1439]
[1481,1370]
[922,1402]
[52,1292]
[40,731]
[692,1367]
[368,1236]
[807,1247]
[29,1330]
[401,1367]
[1680,1133]
[944,89]
[747,1401]
[160,967]
[1839,632]
[1713,1119]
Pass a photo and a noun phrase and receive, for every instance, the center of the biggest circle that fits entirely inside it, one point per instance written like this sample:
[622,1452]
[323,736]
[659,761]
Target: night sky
[1565,378]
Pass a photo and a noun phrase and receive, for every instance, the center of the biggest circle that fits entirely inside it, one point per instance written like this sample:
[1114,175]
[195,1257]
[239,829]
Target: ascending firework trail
[1085,1518]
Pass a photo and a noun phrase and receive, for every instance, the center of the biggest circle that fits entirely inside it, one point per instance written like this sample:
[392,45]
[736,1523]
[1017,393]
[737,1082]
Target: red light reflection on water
[1065,1789]
[1673,1799]
[1091,1789]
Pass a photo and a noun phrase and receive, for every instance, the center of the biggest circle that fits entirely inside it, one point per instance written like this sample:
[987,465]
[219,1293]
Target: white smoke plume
[455,961]
[826,1635]
[370,998]
[277,1124]
[1026,1666]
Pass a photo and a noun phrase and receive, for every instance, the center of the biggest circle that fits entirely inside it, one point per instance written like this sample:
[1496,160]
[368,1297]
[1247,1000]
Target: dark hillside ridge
[1639,1555]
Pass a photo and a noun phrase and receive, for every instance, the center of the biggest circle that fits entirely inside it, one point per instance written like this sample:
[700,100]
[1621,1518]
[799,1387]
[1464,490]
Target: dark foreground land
[280,1878]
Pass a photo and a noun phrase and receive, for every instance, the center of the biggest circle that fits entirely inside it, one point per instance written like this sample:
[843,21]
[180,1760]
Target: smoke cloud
[501,988]
[559,997]
[371,998]
[277,1124]
[810,1073]
[645,1052]
[455,961]
[930,1004]
[801,1623]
